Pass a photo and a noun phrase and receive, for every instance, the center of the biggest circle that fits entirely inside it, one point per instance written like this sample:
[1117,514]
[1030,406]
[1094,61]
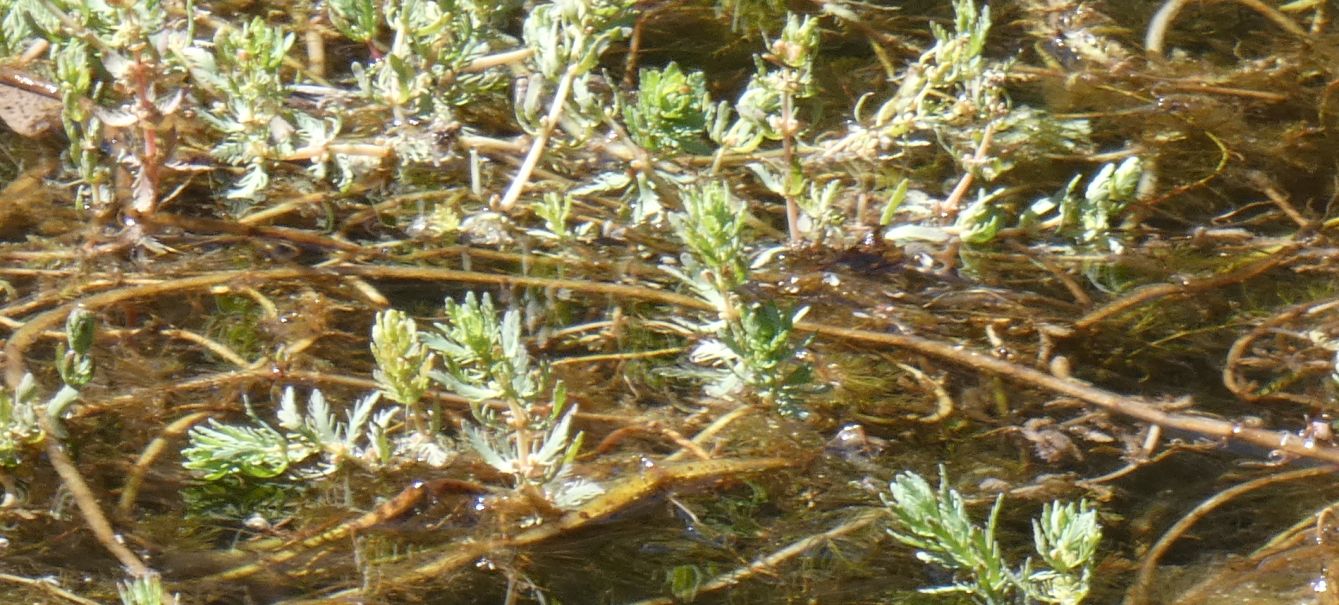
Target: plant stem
[788,153]
[769,563]
[87,502]
[541,140]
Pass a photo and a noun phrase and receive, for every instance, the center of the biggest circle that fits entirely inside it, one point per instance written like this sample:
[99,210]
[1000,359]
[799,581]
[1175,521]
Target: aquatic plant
[403,370]
[261,451]
[756,345]
[529,435]
[19,428]
[566,38]
[145,590]
[671,111]
[936,523]
[20,425]
[766,357]
[765,110]
[748,15]
[632,223]
[556,210]
[485,361]
[1088,218]
[712,229]
[244,72]
[952,90]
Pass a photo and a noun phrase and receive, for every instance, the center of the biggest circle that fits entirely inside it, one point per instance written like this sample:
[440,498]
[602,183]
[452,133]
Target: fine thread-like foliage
[403,363]
[20,427]
[145,590]
[485,360]
[937,524]
[260,451]
[754,347]
[526,437]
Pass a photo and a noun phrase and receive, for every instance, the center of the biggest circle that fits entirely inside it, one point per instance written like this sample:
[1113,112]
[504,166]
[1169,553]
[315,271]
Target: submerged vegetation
[938,526]
[643,302]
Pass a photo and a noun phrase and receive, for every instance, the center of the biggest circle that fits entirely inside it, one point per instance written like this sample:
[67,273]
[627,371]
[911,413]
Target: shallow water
[1213,303]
